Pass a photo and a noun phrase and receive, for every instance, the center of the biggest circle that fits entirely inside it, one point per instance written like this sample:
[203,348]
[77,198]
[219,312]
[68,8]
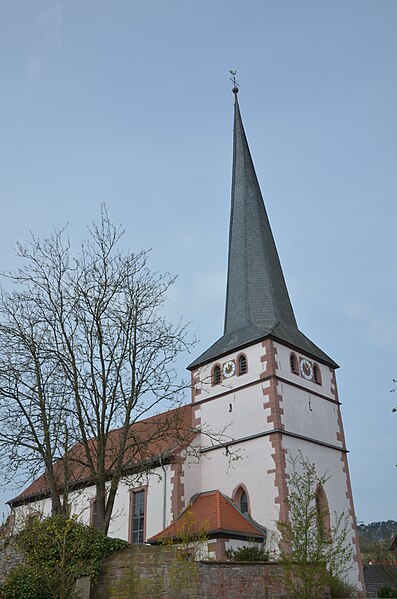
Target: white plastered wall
[219,471]
[41,507]
[235,415]
[202,375]
[308,414]
[158,508]
[157,483]
[192,471]
[328,462]
[284,371]
[234,408]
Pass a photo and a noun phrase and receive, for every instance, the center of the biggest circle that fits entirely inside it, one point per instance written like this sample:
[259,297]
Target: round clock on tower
[306,369]
[229,368]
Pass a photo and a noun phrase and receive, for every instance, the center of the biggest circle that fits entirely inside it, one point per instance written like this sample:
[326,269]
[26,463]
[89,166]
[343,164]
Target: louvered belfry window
[216,375]
[316,374]
[242,364]
[293,363]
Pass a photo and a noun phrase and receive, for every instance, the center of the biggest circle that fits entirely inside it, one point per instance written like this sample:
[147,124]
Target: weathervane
[234,81]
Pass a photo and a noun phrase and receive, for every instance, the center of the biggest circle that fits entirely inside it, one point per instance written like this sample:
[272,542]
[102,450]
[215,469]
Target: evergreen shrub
[387,592]
[57,551]
[340,588]
[247,553]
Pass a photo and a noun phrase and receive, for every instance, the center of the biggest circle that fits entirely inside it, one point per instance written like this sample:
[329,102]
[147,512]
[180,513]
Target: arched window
[244,503]
[316,374]
[216,375]
[242,364]
[293,362]
[323,516]
[240,497]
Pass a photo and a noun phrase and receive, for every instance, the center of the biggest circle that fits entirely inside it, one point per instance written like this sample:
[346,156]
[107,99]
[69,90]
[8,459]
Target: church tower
[264,386]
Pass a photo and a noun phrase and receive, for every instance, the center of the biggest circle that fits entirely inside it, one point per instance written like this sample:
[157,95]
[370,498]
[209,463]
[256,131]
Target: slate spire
[257,300]
[256,290]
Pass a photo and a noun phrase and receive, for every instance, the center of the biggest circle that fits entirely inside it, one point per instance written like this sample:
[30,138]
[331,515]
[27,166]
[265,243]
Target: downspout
[164,493]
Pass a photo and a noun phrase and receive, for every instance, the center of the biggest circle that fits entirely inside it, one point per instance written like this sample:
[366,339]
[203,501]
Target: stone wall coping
[234,563]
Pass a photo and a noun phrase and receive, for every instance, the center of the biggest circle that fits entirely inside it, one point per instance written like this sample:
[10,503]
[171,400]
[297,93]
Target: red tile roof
[163,434]
[215,513]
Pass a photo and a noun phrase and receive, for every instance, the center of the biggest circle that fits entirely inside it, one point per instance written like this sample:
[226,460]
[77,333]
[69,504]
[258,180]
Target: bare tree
[33,406]
[91,353]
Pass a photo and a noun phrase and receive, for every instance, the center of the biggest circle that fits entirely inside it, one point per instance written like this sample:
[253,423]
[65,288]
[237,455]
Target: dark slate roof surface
[257,299]
[377,576]
[250,334]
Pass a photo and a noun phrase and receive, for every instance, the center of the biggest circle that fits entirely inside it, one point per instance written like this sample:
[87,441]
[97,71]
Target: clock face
[306,369]
[229,368]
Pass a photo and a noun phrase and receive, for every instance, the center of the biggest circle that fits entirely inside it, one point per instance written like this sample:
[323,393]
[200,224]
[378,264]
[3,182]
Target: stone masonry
[154,572]
[9,558]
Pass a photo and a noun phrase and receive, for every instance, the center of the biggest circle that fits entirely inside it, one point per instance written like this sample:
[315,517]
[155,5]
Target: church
[263,386]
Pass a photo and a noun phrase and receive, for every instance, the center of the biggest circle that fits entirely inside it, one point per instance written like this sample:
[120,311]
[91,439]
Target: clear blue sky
[129,103]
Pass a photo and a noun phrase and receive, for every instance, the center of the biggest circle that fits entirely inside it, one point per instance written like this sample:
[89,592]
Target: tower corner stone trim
[349,493]
[275,411]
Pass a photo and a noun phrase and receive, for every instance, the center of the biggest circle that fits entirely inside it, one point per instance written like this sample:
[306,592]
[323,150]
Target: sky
[129,104]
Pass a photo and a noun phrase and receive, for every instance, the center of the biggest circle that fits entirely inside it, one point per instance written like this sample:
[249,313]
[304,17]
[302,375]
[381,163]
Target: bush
[24,582]
[340,588]
[57,551]
[387,592]
[247,553]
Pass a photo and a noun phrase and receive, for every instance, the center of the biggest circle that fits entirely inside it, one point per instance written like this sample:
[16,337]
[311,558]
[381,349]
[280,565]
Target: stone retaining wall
[154,572]
[9,558]
[144,572]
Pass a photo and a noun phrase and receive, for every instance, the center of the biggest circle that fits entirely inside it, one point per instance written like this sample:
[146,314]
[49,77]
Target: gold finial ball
[235,89]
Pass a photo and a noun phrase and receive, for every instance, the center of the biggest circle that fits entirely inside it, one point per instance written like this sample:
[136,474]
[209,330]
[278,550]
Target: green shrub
[247,553]
[24,582]
[340,588]
[57,551]
[387,592]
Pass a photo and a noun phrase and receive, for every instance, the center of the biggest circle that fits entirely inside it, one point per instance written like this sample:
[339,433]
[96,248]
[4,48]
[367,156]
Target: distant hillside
[376,531]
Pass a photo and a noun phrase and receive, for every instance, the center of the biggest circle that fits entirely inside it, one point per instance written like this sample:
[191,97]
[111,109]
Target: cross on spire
[235,83]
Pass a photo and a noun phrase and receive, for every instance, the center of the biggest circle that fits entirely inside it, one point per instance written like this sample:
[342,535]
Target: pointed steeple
[256,290]
[257,300]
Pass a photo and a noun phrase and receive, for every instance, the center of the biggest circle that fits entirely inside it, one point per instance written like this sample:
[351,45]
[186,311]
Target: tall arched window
[323,516]
[244,503]
[241,499]
[293,362]
[216,375]
[242,364]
